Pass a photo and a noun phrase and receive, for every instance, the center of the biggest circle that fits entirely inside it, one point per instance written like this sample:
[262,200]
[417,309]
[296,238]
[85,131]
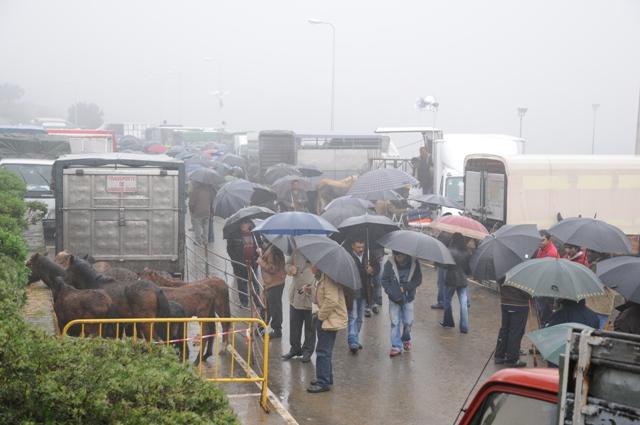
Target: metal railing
[232,339]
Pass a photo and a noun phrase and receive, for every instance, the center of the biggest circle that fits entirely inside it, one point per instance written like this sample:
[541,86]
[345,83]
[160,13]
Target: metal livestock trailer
[127,209]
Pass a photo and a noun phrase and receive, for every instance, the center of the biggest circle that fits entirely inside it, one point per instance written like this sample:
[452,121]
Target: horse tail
[162,310]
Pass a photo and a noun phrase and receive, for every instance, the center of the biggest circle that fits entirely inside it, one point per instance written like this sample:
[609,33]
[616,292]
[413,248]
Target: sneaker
[353,349]
[499,360]
[313,389]
[515,363]
[407,345]
[367,312]
[437,306]
[375,309]
[394,352]
[445,326]
[306,358]
[291,354]
[359,346]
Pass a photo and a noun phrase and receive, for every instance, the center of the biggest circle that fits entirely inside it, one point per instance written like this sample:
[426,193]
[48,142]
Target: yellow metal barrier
[96,327]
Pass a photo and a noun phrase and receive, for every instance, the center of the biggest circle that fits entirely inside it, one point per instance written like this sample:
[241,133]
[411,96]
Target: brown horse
[329,189]
[103,267]
[69,303]
[131,299]
[203,298]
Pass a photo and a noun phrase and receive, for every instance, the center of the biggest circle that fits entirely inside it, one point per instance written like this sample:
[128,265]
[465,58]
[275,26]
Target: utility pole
[521,113]
[595,107]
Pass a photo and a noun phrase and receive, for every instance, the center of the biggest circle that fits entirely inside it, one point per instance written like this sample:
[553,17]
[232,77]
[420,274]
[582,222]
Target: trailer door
[473,192]
[494,196]
[121,214]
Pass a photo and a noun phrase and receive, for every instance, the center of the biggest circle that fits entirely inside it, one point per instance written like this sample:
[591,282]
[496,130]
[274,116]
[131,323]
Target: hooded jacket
[399,290]
[332,308]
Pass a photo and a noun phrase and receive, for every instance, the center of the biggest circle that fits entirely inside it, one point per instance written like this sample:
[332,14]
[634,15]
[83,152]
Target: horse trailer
[127,209]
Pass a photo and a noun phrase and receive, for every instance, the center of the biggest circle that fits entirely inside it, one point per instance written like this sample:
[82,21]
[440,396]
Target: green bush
[45,379]
[12,184]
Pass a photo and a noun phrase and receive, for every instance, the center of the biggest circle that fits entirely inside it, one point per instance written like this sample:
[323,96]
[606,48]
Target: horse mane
[84,271]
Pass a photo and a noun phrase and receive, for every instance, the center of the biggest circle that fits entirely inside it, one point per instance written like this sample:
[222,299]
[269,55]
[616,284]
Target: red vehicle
[515,396]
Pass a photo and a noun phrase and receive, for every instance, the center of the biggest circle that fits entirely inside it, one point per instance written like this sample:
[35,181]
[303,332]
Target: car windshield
[36,176]
[508,409]
[454,189]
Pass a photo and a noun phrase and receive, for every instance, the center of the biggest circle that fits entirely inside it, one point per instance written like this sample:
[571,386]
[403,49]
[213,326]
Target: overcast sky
[144,61]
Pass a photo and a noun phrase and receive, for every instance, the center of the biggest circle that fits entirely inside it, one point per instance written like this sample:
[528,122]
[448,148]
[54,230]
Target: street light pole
[333,63]
[595,107]
[521,113]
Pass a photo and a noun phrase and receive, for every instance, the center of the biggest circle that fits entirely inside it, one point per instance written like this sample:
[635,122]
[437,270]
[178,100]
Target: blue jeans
[356,315]
[442,278]
[324,352]
[401,321]
[463,297]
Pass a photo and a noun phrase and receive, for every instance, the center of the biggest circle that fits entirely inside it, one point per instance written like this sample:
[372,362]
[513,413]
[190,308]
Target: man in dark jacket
[456,282]
[424,172]
[200,200]
[574,312]
[242,250]
[400,278]
[357,306]
[514,305]
[629,320]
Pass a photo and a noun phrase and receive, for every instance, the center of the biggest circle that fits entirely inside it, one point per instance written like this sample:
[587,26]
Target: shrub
[44,379]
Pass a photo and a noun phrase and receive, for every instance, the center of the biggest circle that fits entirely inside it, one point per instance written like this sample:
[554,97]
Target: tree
[85,115]
[10,92]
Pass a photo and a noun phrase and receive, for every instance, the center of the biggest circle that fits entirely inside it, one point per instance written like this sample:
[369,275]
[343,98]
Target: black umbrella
[232,224]
[381,180]
[282,186]
[337,215]
[277,171]
[262,195]
[436,200]
[417,244]
[331,259]
[504,249]
[309,170]
[233,160]
[347,201]
[221,167]
[369,226]
[621,274]
[238,194]
[206,176]
[592,234]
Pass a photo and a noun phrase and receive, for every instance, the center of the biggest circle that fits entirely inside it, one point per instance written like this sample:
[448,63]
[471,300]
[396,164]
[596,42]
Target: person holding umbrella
[300,300]
[544,305]
[456,282]
[299,199]
[400,279]
[331,317]
[242,250]
[575,254]
[271,264]
[357,305]
[200,200]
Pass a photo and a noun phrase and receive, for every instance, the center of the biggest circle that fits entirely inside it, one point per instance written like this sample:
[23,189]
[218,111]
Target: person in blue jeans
[456,283]
[400,278]
[360,297]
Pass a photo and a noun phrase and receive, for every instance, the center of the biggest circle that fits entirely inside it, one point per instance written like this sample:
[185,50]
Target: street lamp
[521,113]
[220,94]
[333,61]
[595,107]
[429,103]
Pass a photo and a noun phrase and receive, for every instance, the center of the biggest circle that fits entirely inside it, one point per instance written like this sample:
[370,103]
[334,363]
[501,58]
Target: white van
[521,189]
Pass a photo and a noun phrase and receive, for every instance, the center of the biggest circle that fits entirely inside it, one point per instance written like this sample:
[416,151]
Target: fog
[149,61]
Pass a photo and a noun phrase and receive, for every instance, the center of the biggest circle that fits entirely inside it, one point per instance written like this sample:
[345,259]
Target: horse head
[43,268]
[80,274]
[62,258]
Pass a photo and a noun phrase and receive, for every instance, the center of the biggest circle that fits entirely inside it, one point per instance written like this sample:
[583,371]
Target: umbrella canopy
[238,194]
[332,259]
[348,201]
[592,234]
[556,278]
[309,170]
[369,226]
[262,195]
[284,243]
[295,223]
[232,224]
[437,200]
[381,180]
[221,167]
[460,224]
[417,244]
[337,215]
[380,195]
[282,186]
[623,275]
[185,154]
[233,160]
[551,342]
[280,170]
[206,176]
[504,249]
[174,150]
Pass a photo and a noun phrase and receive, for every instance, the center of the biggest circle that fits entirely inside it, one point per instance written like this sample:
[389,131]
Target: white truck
[521,189]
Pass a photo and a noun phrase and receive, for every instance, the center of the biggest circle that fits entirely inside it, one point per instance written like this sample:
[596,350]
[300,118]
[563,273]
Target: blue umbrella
[295,223]
[552,341]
